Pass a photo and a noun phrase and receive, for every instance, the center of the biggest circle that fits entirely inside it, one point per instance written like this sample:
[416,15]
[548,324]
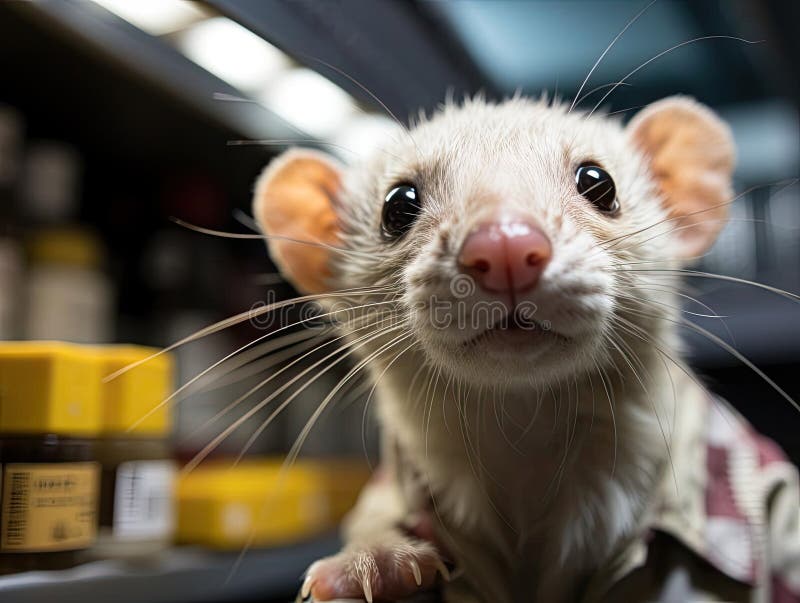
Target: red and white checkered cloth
[726,526]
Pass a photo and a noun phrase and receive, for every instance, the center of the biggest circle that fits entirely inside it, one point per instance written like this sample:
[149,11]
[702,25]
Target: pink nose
[506,255]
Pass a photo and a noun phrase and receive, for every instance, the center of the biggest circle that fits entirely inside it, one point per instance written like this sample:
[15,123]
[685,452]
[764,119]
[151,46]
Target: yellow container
[49,387]
[49,417]
[137,502]
[132,402]
[256,504]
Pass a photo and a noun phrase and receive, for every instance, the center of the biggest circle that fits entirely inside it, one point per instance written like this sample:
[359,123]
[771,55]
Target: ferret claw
[367,587]
[416,571]
[305,590]
[443,570]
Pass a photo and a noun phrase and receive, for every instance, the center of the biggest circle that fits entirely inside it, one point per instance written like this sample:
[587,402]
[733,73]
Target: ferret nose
[506,255]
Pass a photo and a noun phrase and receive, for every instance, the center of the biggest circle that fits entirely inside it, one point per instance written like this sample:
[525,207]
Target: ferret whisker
[451,542]
[666,305]
[603,377]
[661,348]
[261,384]
[241,317]
[246,220]
[573,431]
[532,420]
[348,348]
[450,380]
[266,237]
[597,89]
[262,357]
[283,472]
[625,110]
[298,444]
[674,291]
[591,387]
[368,401]
[372,95]
[475,463]
[285,142]
[661,54]
[672,272]
[505,415]
[232,405]
[499,421]
[232,98]
[653,407]
[551,491]
[463,418]
[716,206]
[695,224]
[738,355]
[428,409]
[422,368]
[176,395]
[685,369]
[609,243]
[263,426]
[354,391]
[631,21]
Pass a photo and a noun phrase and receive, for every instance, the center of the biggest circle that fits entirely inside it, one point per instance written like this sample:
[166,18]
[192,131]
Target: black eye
[400,209]
[596,185]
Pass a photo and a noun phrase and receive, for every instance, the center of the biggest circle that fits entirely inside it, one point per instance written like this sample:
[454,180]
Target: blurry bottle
[10,279]
[68,296]
[49,417]
[11,128]
[185,272]
[137,503]
[49,183]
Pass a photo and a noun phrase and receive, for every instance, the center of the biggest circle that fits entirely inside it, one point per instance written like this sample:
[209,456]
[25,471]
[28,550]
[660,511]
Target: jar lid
[49,387]
[227,507]
[135,402]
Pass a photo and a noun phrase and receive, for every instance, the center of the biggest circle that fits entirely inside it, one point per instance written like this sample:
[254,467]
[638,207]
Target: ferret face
[496,224]
[504,232]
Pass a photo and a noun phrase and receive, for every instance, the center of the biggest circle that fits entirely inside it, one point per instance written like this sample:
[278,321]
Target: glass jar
[137,509]
[49,415]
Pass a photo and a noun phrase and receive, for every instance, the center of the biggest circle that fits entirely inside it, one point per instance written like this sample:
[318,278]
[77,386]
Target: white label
[144,505]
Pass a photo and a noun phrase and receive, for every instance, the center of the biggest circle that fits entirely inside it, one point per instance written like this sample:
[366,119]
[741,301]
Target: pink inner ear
[294,199]
[691,156]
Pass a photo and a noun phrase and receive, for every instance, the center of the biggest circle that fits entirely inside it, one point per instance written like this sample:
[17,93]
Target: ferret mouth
[515,327]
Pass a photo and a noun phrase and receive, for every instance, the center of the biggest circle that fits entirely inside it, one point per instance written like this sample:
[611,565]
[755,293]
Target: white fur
[537,477]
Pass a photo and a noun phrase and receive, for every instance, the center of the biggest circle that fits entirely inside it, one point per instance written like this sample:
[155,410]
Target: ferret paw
[374,573]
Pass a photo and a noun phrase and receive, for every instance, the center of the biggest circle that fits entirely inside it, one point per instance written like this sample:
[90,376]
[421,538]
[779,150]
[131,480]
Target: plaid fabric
[726,526]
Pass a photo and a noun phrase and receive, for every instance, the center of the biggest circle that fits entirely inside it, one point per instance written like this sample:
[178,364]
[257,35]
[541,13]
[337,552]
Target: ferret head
[509,235]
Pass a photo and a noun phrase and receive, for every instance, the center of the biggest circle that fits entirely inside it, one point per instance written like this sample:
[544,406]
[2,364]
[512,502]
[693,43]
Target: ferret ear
[692,156]
[295,198]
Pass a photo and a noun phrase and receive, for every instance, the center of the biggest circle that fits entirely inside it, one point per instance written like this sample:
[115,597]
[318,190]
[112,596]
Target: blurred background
[118,116]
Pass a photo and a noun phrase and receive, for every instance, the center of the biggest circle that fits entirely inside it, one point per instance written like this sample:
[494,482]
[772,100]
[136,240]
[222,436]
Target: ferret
[542,440]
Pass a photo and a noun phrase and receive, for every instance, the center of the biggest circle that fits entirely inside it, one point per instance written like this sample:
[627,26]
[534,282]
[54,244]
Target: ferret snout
[506,254]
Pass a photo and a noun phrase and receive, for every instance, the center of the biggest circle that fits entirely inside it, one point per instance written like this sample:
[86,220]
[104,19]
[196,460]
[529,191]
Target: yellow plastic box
[132,402]
[49,387]
[256,504]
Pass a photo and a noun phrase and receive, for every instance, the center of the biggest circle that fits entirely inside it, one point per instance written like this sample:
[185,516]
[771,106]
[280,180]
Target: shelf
[181,575]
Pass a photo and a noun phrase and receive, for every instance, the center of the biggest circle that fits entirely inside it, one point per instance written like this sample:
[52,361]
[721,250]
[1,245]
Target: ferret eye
[596,185]
[400,210]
